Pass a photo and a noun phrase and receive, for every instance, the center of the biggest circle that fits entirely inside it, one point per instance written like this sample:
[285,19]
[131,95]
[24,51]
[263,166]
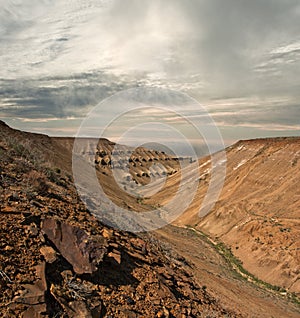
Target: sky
[238,59]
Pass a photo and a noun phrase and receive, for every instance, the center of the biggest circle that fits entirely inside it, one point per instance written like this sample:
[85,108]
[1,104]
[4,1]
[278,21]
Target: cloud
[60,97]
[58,58]
[220,43]
[285,116]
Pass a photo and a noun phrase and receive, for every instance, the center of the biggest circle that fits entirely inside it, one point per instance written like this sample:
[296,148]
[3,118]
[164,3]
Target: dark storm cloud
[57,97]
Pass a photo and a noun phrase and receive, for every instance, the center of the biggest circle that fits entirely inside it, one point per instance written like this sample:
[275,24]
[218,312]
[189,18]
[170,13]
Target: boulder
[82,251]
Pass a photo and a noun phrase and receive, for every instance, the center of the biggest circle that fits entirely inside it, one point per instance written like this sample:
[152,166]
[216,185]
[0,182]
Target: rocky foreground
[57,260]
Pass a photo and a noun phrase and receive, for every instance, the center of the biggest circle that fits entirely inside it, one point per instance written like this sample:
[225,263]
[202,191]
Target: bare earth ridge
[58,260]
[258,212]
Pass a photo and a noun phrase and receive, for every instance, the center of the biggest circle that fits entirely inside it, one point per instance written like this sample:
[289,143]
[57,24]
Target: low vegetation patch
[237,265]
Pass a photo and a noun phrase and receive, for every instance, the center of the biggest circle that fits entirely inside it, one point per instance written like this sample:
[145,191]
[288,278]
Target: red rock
[8,209]
[83,252]
[49,254]
[34,294]
[79,309]
[160,314]
[74,309]
[33,230]
[116,255]
[107,233]
[35,311]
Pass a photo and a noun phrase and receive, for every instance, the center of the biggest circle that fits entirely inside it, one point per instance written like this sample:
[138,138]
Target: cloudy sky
[240,59]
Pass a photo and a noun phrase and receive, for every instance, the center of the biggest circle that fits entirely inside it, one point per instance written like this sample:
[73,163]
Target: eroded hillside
[258,212]
[57,260]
